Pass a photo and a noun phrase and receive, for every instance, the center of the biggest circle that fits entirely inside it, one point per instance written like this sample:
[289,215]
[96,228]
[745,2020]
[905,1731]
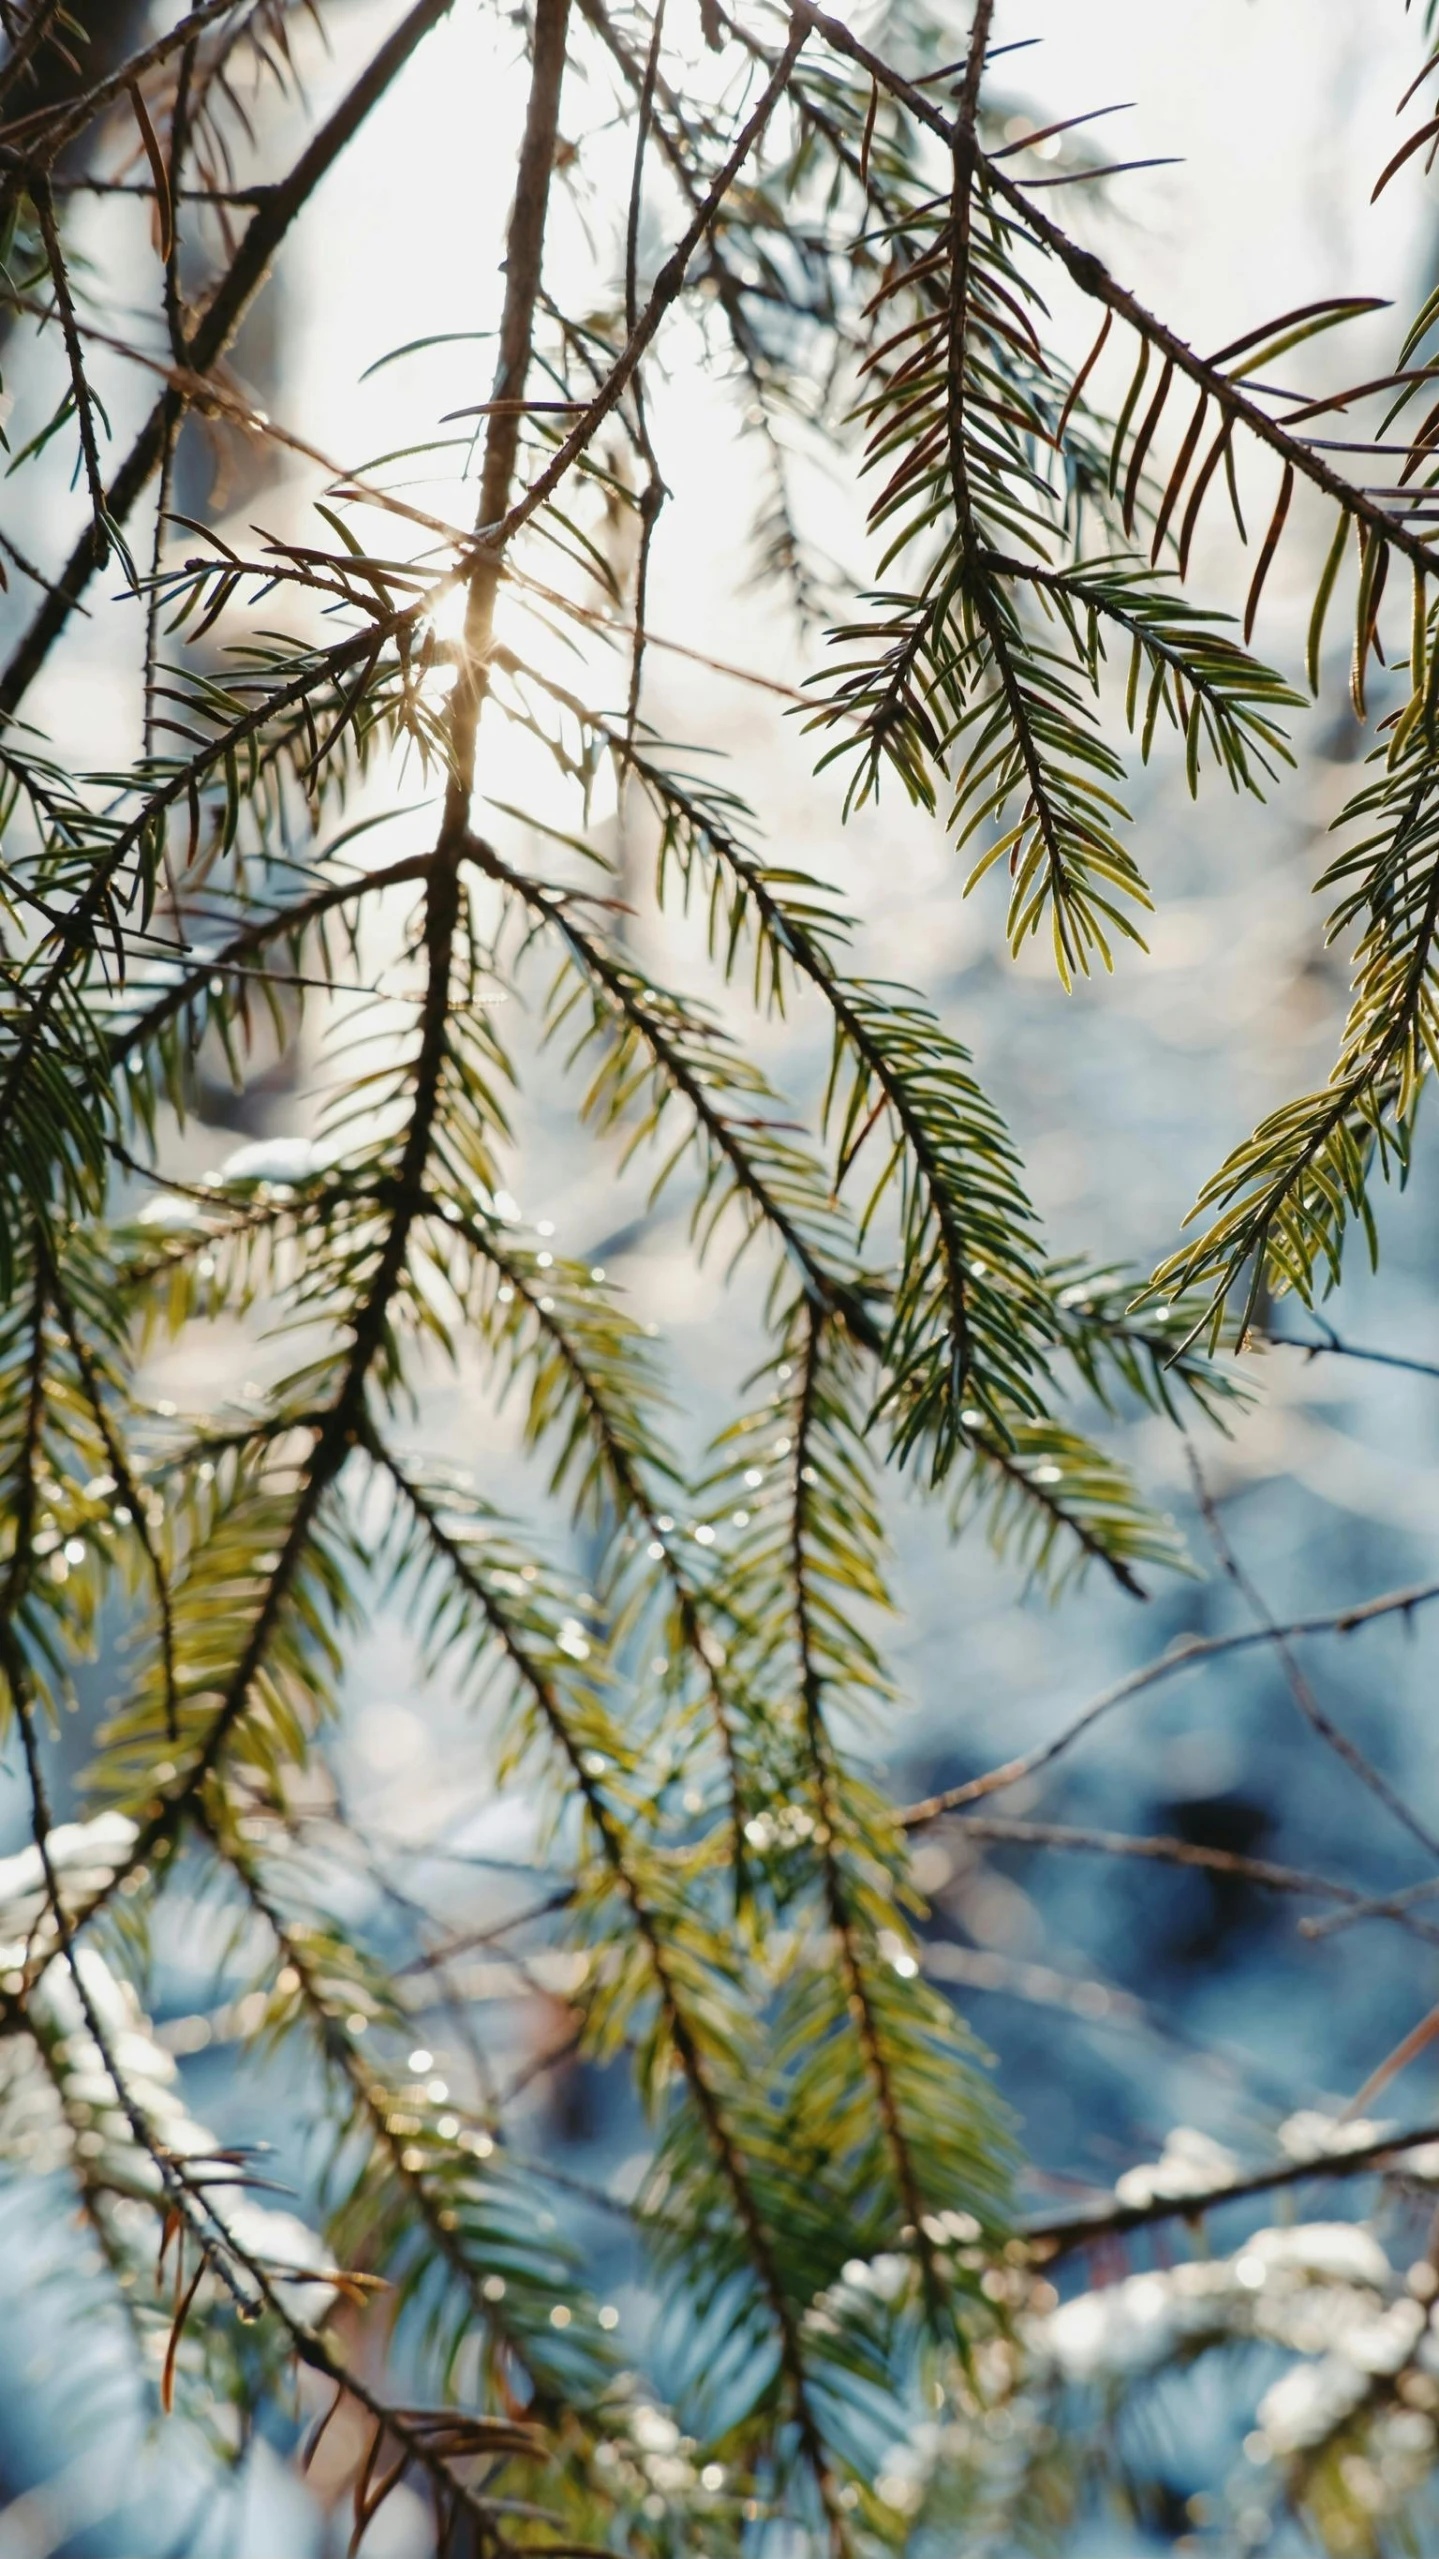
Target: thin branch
[556,908]
[523,262]
[469,1941]
[27,43]
[153,610]
[1332,1346]
[198,2216]
[964,160]
[633,1499]
[46,131]
[1024,1481]
[667,287]
[1188,1654]
[1395,1905]
[338,2046]
[837,1898]
[216,326]
[196,2213]
[124,1479]
[1184,1852]
[1408,2049]
[40,197]
[78,920]
[1051,2239]
[1299,1689]
[190,985]
[173,171]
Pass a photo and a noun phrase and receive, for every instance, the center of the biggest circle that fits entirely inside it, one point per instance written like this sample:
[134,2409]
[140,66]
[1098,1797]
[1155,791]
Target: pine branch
[1283,1201]
[38,28]
[289,921]
[370,1349]
[811,1350]
[784,1190]
[80,393]
[124,1479]
[588,1782]
[601,1363]
[48,130]
[824,2206]
[1094,280]
[425,2175]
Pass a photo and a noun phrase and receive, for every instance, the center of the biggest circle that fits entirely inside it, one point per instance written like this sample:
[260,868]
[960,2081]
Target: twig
[524,257]
[40,197]
[172,171]
[1184,1852]
[1051,2239]
[689,2053]
[46,131]
[195,2211]
[27,43]
[667,287]
[1189,1654]
[36,576]
[1332,1345]
[652,496]
[338,2045]
[125,1481]
[838,1897]
[187,988]
[143,192]
[1378,1906]
[216,327]
[1406,2050]
[470,1940]
[1303,1695]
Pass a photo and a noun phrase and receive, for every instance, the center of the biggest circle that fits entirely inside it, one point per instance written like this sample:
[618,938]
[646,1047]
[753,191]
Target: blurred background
[1119,1999]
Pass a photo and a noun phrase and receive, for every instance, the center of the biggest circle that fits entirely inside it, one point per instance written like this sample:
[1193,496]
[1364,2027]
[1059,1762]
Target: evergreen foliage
[828,2206]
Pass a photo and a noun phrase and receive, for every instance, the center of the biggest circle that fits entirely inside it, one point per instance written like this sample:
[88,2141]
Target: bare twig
[1394,1905]
[1406,2050]
[1051,2239]
[1189,1654]
[1299,1689]
[1332,1345]
[1184,1852]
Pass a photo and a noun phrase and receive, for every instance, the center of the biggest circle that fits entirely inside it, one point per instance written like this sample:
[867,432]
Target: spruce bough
[830,2188]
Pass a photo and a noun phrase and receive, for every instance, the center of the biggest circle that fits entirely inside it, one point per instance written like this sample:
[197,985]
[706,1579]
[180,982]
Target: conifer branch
[1095,281]
[830,1823]
[687,2049]
[726,1914]
[611,1407]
